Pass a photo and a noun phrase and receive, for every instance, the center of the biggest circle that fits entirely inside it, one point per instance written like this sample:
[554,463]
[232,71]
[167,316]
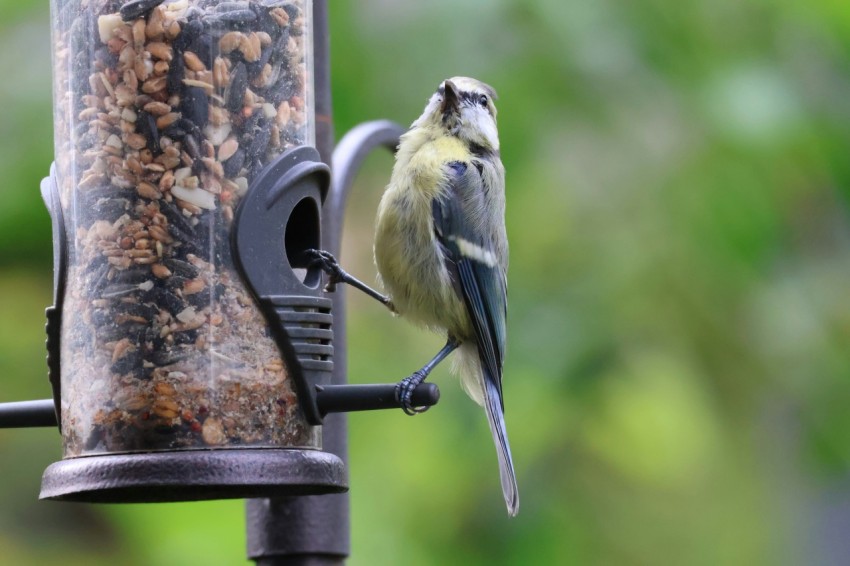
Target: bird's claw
[404,393]
[327,263]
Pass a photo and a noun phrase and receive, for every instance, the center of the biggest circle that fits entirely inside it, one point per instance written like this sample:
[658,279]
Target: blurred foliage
[677,378]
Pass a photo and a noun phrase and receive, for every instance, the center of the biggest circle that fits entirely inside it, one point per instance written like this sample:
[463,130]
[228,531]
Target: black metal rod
[24,414]
[346,398]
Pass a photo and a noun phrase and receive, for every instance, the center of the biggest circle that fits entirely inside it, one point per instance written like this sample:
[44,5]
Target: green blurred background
[678,376]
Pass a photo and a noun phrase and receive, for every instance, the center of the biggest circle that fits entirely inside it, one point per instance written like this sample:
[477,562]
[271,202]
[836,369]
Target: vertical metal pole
[311,530]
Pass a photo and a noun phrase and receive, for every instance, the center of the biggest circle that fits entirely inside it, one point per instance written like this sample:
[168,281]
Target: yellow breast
[406,250]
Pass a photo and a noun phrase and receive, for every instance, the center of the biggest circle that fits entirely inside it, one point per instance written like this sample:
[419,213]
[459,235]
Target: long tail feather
[496,417]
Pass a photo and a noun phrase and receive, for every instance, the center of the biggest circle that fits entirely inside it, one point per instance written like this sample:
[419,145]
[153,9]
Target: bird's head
[463,107]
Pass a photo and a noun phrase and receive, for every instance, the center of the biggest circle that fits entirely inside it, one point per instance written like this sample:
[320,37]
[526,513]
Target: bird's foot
[336,274]
[327,263]
[404,392]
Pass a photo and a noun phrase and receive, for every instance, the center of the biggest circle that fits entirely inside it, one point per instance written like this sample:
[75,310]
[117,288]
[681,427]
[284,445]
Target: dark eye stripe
[472,98]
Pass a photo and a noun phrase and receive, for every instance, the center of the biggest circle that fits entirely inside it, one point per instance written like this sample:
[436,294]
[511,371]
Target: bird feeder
[184,340]
[192,350]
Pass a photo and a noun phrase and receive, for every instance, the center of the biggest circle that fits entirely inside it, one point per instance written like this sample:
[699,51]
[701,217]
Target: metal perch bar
[330,399]
[25,414]
[346,398]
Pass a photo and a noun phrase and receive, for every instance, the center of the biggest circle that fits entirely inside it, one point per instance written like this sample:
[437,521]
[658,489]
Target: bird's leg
[336,274]
[404,388]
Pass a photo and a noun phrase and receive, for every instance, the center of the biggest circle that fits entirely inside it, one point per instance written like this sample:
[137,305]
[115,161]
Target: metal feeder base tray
[194,475]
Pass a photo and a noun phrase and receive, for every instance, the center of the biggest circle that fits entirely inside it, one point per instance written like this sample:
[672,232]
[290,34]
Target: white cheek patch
[484,123]
[488,128]
[474,251]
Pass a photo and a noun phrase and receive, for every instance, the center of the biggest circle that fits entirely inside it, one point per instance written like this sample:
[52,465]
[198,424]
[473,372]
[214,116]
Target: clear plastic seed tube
[165,111]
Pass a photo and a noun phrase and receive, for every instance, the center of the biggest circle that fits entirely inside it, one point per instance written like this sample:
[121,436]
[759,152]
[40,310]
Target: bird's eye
[482,100]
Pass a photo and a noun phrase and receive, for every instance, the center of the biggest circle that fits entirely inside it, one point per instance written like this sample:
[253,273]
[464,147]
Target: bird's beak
[450,100]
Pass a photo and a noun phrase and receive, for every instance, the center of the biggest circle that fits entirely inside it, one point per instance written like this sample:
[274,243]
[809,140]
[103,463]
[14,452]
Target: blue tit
[441,248]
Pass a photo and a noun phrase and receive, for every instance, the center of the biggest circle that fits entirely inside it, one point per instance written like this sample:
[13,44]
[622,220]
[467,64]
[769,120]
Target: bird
[441,249]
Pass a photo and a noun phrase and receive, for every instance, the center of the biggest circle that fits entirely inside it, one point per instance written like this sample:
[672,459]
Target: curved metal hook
[347,159]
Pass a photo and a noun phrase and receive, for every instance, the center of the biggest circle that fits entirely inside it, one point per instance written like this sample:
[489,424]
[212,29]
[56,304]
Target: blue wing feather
[481,284]
[479,278]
